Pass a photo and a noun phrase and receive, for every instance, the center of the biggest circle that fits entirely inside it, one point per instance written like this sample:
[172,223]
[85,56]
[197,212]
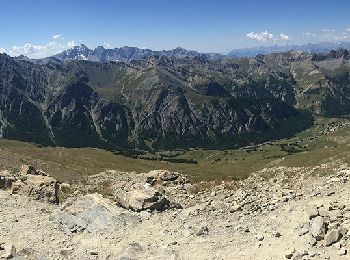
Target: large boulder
[143,198]
[37,185]
[93,213]
[31,170]
[165,177]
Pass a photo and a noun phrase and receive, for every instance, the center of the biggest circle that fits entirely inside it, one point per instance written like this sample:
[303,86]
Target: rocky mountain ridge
[165,103]
[308,48]
[126,53]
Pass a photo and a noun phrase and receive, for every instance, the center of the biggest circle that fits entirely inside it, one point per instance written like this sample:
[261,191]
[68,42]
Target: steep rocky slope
[165,103]
[145,104]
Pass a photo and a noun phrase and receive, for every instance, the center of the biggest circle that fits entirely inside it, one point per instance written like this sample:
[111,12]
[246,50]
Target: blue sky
[29,27]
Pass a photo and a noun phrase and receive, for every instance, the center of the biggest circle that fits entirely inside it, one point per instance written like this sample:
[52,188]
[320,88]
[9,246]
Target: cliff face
[163,103]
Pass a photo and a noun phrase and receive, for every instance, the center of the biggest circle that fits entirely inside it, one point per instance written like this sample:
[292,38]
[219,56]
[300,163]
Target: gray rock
[6,180]
[188,230]
[300,254]
[202,230]
[38,186]
[332,237]
[276,234]
[93,213]
[342,230]
[313,212]
[66,251]
[31,170]
[318,228]
[342,251]
[303,229]
[7,251]
[164,176]
[131,251]
[312,253]
[312,241]
[323,212]
[143,198]
[290,254]
[260,237]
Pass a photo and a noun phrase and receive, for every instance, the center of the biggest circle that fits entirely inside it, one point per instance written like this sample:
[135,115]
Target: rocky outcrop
[6,179]
[31,182]
[142,198]
[38,187]
[165,178]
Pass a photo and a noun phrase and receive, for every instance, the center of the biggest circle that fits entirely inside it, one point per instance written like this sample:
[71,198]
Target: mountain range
[82,52]
[310,48]
[126,53]
[166,102]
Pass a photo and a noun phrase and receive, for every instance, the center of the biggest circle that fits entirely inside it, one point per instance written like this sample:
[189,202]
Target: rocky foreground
[277,213]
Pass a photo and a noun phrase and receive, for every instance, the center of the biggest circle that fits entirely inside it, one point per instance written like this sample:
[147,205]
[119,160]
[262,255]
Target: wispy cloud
[36,51]
[328,30]
[260,37]
[2,50]
[284,37]
[340,36]
[309,34]
[71,44]
[347,29]
[266,36]
[57,37]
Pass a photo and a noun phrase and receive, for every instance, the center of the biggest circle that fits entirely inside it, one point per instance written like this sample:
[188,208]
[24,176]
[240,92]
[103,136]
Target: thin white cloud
[309,34]
[328,30]
[2,50]
[266,36]
[347,29]
[57,37]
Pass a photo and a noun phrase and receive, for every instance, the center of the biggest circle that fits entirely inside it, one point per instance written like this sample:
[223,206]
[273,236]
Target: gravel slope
[266,224]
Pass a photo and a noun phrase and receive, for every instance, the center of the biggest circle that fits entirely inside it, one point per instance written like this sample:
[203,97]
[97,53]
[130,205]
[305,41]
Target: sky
[40,28]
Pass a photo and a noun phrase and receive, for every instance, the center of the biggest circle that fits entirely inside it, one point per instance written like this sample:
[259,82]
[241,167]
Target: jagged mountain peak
[127,53]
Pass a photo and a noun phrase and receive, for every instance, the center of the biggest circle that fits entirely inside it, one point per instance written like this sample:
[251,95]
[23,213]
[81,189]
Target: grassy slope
[312,148]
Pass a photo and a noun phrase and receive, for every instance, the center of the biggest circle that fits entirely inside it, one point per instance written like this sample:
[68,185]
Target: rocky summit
[276,213]
[162,102]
